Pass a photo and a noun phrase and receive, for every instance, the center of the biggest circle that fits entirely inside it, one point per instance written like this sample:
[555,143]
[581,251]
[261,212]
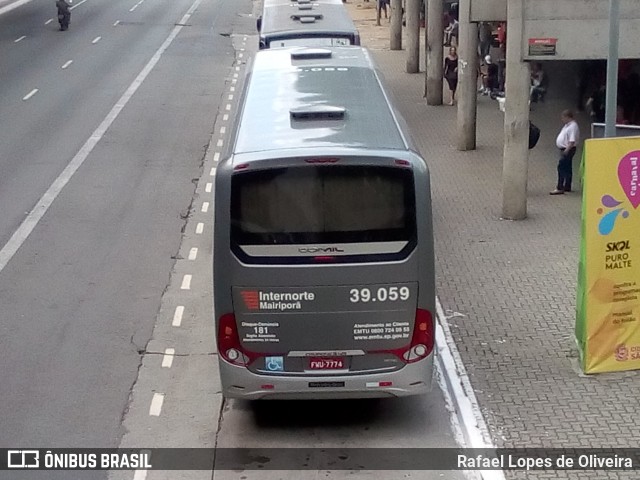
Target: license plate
[326,363]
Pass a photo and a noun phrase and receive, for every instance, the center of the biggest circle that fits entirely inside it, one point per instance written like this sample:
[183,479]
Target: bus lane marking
[30,94]
[177,316]
[167,358]
[156,404]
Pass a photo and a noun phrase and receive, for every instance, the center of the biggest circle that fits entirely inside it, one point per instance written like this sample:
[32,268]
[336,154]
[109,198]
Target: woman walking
[451,72]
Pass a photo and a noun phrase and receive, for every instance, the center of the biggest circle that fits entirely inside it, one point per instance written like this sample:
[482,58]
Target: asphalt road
[131,97]
[80,296]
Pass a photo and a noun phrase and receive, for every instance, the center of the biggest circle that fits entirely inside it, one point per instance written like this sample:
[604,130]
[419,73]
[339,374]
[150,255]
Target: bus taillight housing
[422,340]
[229,346]
[423,337]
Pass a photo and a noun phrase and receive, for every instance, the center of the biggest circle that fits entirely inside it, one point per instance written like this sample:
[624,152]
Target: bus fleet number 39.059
[382,294]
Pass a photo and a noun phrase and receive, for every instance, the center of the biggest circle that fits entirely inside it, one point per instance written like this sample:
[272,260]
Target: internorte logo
[275,301]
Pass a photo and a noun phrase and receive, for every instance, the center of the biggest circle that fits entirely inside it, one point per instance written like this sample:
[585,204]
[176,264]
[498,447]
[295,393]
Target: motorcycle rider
[64,13]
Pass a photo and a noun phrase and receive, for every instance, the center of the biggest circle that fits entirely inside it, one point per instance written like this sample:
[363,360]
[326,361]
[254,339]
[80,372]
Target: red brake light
[229,347]
[422,340]
[325,258]
[242,166]
[403,163]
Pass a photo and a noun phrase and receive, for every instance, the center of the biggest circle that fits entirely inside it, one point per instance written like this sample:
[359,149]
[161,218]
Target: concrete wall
[489,10]
[581,27]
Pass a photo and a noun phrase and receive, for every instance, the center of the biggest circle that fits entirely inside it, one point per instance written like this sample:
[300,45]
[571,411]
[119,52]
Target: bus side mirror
[259,23]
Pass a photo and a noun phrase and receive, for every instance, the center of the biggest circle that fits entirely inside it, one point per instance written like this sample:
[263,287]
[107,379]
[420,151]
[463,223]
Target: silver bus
[286,23]
[323,242]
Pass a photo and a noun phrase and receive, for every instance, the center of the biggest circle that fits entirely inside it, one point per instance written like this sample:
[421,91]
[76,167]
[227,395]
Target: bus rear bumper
[412,379]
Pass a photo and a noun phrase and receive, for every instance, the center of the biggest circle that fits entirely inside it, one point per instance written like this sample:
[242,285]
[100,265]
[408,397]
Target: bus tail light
[423,337]
[229,346]
[422,340]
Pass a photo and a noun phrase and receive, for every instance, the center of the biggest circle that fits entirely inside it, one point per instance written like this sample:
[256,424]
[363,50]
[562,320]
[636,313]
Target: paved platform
[509,288]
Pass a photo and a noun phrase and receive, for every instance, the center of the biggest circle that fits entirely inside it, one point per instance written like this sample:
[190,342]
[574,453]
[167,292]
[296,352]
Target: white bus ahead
[286,23]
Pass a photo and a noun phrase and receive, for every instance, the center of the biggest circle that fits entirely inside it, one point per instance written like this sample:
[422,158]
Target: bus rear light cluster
[422,340]
[229,346]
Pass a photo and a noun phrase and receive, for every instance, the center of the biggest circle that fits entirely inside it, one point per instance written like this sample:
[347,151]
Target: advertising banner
[608,306]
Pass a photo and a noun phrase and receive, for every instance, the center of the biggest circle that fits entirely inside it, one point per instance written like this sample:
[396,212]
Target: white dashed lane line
[205,207]
[231,96]
[167,358]
[136,5]
[220,142]
[208,187]
[213,171]
[67,64]
[223,130]
[186,282]
[116,23]
[30,94]
[96,40]
[19,39]
[48,21]
[227,107]
[216,156]
[193,253]
[225,117]
[156,404]
[177,316]
[199,228]
[140,475]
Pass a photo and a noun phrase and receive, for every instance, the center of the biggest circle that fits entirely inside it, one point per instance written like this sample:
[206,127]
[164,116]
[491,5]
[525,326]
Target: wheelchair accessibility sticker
[274,364]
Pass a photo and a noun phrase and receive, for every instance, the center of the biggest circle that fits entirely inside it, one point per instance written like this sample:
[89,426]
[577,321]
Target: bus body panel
[413,379]
[314,319]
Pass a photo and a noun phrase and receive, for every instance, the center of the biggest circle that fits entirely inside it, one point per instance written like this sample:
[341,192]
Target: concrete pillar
[435,39]
[516,119]
[396,25]
[467,78]
[412,16]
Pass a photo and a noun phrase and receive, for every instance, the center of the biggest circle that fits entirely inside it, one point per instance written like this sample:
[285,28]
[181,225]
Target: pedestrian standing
[451,72]
[567,142]
[485,37]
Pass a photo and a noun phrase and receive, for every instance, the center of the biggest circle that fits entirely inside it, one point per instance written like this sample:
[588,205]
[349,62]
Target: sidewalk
[509,288]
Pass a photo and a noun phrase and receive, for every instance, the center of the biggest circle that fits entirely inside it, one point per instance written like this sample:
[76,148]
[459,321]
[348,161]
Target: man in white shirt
[567,142]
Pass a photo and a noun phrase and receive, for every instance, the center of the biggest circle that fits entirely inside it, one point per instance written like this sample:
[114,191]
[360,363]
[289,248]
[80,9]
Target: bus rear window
[338,204]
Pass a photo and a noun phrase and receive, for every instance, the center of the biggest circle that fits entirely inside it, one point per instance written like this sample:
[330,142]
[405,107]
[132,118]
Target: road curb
[473,428]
